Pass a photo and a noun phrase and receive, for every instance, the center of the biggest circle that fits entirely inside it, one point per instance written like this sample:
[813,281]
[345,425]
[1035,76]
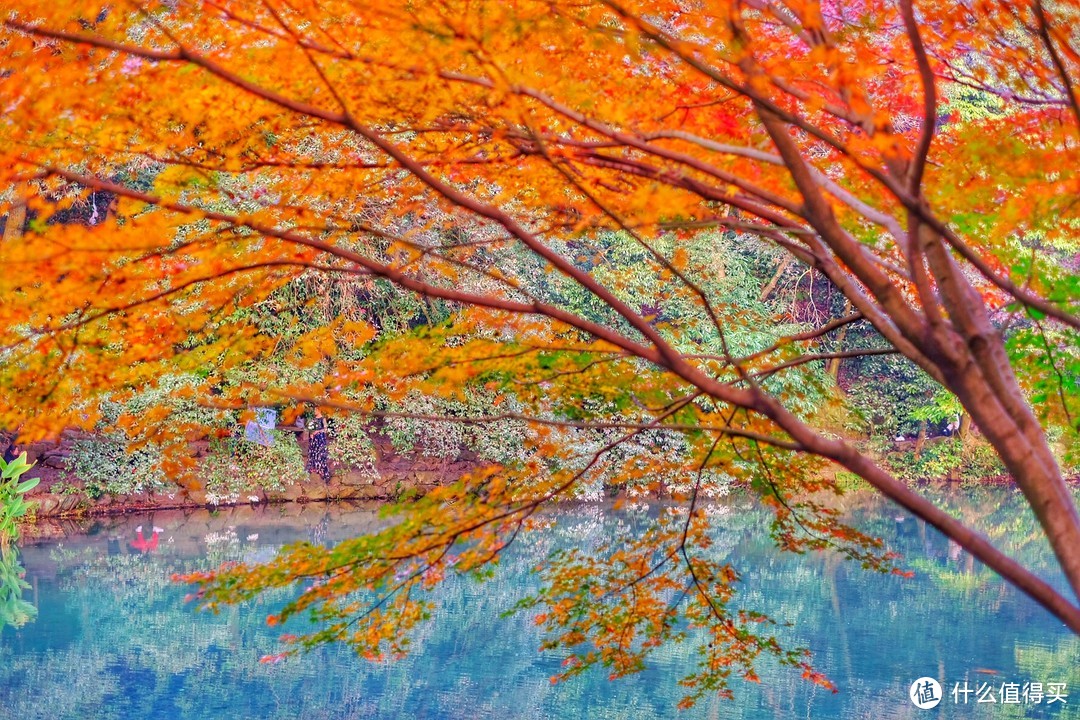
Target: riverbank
[350,487]
[392,476]
[396,479]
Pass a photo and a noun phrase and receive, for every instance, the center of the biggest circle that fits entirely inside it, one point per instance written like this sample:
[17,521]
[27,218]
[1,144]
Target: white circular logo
[925,693]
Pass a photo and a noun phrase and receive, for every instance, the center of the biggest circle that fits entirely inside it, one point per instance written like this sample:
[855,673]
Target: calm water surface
[114,639]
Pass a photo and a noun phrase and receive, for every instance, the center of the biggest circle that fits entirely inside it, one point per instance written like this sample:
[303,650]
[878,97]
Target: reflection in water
[15,610]
[142,544]
[115,639]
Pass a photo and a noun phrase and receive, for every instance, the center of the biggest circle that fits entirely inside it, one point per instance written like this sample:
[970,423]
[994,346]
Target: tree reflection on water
[15,610]
[115,638]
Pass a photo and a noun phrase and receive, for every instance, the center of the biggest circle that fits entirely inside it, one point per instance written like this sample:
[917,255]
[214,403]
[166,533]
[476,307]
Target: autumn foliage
[495,157]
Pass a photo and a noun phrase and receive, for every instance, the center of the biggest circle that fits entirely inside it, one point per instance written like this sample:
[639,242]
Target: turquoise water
[114,639]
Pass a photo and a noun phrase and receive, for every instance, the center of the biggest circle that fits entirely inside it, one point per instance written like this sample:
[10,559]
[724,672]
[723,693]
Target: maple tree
[494,157]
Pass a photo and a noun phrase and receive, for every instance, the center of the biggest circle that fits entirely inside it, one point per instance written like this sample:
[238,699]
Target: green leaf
[547,360]
[16,467]
[28,485]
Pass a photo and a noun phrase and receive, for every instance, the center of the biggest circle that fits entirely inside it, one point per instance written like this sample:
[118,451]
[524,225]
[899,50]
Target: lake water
[113,637]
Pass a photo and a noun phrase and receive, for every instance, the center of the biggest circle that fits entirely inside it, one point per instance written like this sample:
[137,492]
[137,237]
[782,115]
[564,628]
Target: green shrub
[238,467]
[947,458]
[13,505]
[351,444]
[106,467]
[14,610]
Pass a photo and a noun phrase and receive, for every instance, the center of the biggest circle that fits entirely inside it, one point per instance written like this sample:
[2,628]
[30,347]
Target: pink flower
[131,65]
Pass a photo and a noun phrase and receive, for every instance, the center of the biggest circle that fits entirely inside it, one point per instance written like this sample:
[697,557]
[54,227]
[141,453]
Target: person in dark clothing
[319,446]
[13,451]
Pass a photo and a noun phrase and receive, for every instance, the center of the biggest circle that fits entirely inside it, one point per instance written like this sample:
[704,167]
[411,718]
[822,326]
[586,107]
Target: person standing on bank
[13,450]
[318,446]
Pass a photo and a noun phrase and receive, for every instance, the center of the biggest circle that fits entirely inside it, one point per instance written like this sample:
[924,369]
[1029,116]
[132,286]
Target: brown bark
[982,549]
[987,387]
[1033,467]
[964,351]
[965,428]
[771,285]
[833,368]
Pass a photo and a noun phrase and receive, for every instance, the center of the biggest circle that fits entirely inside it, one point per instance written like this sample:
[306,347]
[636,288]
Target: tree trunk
[965,428]
[1020,443]
[771,285]
[833,368]
[920,441]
